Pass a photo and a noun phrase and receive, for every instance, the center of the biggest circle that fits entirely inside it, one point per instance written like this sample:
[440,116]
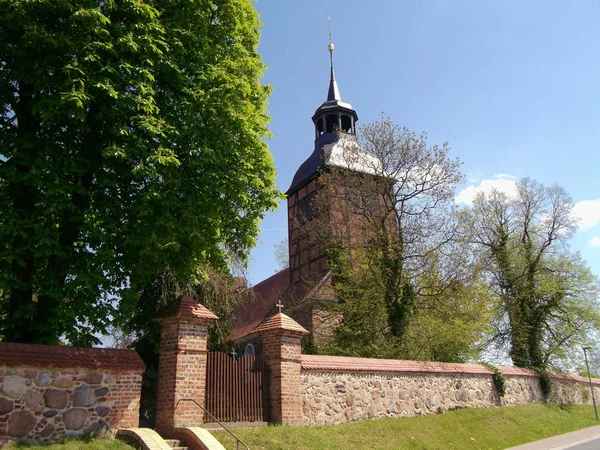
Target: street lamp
[587,347]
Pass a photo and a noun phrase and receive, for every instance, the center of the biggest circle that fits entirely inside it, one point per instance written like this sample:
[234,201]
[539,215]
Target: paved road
[588,445]
[586,439]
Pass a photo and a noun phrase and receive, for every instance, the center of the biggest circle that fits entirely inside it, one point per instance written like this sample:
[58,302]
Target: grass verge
[475,428]
[73,444]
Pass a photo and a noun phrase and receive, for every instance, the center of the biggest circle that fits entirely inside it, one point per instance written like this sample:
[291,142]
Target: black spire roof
[332,116]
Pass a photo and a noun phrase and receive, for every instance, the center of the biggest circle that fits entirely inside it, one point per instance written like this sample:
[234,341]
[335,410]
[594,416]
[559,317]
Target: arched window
[249,350]
[346,124]
[319,127]
[331,123]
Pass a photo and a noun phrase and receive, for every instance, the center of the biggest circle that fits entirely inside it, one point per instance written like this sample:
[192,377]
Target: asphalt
[588,438]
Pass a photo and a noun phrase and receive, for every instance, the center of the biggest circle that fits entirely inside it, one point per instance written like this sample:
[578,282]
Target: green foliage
[545,381]
[450,327]
[309,346]
[546,294]
[359,289]
[497,377]
[385,219]
[132,139]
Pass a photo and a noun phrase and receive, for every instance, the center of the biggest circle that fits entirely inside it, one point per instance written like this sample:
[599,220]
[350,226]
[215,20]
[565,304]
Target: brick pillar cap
[185,308]
[280,322]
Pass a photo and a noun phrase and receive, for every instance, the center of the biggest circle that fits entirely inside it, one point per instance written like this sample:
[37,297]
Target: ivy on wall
[498,378]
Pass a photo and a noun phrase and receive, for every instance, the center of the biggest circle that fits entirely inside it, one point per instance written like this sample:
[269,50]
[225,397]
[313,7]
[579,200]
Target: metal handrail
[238,440]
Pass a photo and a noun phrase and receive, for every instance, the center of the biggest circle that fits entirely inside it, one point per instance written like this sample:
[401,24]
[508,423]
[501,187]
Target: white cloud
[501,182]
[595,241]
[587,213]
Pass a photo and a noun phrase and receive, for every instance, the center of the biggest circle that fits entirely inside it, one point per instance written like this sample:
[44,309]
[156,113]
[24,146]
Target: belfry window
[319,127]
[331,123]
[346,124]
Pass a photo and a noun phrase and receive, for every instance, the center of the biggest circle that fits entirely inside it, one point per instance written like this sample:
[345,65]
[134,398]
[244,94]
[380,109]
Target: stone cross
[280,306]
[233,353]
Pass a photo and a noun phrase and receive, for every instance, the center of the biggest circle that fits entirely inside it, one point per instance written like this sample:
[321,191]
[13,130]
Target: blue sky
[513,86]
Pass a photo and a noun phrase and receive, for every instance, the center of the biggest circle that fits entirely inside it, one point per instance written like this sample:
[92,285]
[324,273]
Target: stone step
[213,426]
[175,444]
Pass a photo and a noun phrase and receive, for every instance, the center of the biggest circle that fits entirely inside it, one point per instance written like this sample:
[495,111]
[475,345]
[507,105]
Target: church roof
[334,92]
[332,150]
[260,300]
[329,146]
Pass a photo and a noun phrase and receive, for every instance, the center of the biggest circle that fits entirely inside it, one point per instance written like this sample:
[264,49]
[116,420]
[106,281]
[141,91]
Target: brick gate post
[182,364]
[281,336]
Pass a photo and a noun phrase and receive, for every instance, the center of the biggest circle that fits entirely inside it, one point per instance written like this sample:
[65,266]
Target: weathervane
[330,47]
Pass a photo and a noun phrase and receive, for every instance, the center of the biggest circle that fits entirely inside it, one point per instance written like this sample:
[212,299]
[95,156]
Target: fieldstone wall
[333,398]
[572,391]
[522,389]
[350,389]
[44,404]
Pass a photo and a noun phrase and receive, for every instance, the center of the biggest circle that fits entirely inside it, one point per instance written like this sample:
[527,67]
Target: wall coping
[562,376]
[346,363]
[280,322]
[185,307]
[351,364]
[56,356]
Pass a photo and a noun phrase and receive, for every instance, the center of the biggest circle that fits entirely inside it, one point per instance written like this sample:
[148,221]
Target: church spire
[332,118]
[334,92]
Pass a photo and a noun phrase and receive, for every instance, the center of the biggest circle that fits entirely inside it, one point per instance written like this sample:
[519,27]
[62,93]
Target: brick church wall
[305,259]
[51,392]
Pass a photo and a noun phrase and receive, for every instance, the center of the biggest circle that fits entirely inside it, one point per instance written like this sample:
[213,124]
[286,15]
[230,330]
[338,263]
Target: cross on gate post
[280,306]
[233,353]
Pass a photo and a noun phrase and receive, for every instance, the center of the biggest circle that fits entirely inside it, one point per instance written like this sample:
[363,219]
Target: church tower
[334,120]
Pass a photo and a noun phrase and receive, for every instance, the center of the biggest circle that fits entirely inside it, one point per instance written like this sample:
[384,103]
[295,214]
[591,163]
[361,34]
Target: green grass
[476,428]
[74,444]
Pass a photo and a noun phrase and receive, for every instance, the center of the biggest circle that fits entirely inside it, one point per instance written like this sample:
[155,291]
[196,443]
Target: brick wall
[182,365]
[48,392]
[281,346]
[282,354]
[305,260]
[338,389]
[181,374]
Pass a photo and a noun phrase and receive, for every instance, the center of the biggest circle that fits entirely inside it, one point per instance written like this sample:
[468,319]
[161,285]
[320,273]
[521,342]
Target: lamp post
[590,377]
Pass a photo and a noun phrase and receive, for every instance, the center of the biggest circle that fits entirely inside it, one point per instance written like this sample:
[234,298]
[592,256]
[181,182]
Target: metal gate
[237,390]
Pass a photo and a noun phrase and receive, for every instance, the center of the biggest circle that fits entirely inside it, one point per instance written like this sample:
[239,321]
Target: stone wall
[332,398]
[337,389]
[49,392]
[522,389]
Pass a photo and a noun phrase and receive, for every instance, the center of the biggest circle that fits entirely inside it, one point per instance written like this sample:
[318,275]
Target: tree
[384,215]
[452,327]
[282,254]
[132,141]
[548,296]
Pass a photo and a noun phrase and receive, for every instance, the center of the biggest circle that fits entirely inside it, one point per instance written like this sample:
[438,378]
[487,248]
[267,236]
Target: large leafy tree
[132,140]
[384,215]
[547,295]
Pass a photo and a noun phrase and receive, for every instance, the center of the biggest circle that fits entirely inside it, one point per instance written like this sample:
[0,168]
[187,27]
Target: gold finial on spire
[330,47]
